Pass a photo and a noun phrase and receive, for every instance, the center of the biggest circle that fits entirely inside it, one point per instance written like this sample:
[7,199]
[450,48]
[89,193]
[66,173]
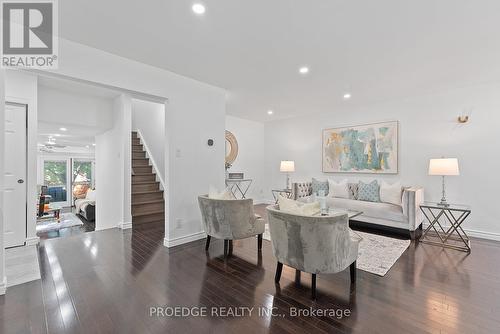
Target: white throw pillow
[391,193]
[91,195]
[215,194]
[298,208]
[338,189]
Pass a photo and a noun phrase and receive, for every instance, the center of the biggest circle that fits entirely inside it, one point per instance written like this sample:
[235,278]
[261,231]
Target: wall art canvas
[371,148]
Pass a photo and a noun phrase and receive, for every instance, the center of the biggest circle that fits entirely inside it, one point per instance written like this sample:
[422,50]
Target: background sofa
[405,217]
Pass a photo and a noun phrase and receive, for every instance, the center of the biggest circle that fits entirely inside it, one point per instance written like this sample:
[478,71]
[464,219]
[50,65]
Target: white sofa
[406,216]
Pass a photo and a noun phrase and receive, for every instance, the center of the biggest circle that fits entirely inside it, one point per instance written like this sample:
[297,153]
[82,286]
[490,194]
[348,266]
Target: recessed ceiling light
[347,96]
[304,70]
[57,135]
[63,129]
[270,112]
[198,9]
[93,144]
[87,146]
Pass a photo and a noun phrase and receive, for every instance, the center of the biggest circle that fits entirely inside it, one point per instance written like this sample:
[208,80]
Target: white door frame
[26,176]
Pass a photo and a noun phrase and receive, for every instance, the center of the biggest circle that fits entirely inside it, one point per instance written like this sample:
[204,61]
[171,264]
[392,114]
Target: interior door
[15,175]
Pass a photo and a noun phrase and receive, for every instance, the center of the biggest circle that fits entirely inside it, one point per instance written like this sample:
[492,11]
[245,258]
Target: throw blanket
[81,204]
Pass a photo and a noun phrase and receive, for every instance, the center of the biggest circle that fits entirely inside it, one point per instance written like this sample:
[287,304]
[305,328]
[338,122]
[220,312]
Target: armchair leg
[353,272]
[279,268]
[259,241]
[230,247]
[226,244]
[313,286]
[297,277]
[208,242]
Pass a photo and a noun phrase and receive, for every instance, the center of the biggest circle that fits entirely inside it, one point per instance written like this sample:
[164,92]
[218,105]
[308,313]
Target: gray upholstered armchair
[230,219]
[313,244]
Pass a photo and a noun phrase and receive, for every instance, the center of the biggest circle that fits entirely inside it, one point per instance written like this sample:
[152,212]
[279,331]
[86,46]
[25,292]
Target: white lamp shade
[287,166]
[444,167]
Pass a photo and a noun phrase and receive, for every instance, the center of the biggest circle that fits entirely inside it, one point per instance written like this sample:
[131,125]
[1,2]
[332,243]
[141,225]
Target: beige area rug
[376,254]
[21,265]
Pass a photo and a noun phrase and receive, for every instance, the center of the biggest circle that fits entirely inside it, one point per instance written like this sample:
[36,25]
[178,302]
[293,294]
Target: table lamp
[287,167]
[444,167]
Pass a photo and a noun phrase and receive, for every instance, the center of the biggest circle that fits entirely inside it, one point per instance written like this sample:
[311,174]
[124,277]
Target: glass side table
[445,227]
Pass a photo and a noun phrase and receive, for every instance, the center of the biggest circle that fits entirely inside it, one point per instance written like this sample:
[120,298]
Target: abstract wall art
[370,148]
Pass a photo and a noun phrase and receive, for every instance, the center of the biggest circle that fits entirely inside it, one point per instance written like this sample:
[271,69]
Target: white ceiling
[378,50]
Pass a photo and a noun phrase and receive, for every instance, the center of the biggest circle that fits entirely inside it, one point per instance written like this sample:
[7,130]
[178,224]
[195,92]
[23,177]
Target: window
[55,174]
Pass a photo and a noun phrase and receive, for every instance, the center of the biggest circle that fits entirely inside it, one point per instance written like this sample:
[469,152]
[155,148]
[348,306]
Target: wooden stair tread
[146,192]
[144,182]
[149,202]
[150,213]
[143,174]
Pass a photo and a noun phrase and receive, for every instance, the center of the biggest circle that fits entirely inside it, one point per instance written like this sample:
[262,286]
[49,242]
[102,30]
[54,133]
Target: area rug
[67,220]
[21,265]
[376,254]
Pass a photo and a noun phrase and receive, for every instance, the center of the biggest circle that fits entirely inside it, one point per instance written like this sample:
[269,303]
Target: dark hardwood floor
[106,282]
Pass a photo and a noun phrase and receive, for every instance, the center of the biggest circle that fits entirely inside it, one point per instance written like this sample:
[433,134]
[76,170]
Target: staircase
[148,205]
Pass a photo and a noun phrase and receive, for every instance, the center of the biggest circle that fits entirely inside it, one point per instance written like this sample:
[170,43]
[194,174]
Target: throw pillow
[298,208]
[215,194]
[391,193]
[369,192]
[318,186]
[91,195]
[338,189]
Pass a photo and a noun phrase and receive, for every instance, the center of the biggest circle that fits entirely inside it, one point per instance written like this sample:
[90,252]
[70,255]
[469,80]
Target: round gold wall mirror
[231,148]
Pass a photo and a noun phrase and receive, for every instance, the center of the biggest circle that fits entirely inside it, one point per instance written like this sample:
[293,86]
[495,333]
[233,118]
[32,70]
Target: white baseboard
[476,234]
[3,286]
[184,239]
[32,241]
[124,225]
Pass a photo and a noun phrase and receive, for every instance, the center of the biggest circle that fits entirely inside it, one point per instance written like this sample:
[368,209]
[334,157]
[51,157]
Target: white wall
[428,129]
[65,107]
[250,160]
[3,279]
[22,87]
[149,119]
[113,184]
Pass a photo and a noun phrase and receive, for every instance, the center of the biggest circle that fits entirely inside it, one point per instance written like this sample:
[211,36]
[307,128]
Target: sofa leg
[353,272]
[226,244]
[279,268]
[230,252]
[413,235]
[313,286]
[297,277]
[208,242]
[259,242]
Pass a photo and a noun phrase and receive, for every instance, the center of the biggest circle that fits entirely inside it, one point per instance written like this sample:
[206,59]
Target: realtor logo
[29,34]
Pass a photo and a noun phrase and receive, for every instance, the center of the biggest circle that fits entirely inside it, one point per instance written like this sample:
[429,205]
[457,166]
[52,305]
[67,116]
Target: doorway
[15,190]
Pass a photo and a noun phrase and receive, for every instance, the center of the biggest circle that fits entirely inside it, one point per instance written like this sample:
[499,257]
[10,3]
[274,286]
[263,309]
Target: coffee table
[336,211]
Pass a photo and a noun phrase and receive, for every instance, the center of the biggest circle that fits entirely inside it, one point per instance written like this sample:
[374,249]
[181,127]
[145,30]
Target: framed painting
[370,148]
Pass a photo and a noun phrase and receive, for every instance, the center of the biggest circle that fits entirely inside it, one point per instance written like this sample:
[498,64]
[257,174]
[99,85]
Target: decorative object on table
[238,187]
[405,217]
[322,244]
[371,148]
[66,220]
[287,167]
[318,186]
[287,193]
[231,149]
[444,167]
[298,208]
[445,226]
[236,176]
[230,220]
